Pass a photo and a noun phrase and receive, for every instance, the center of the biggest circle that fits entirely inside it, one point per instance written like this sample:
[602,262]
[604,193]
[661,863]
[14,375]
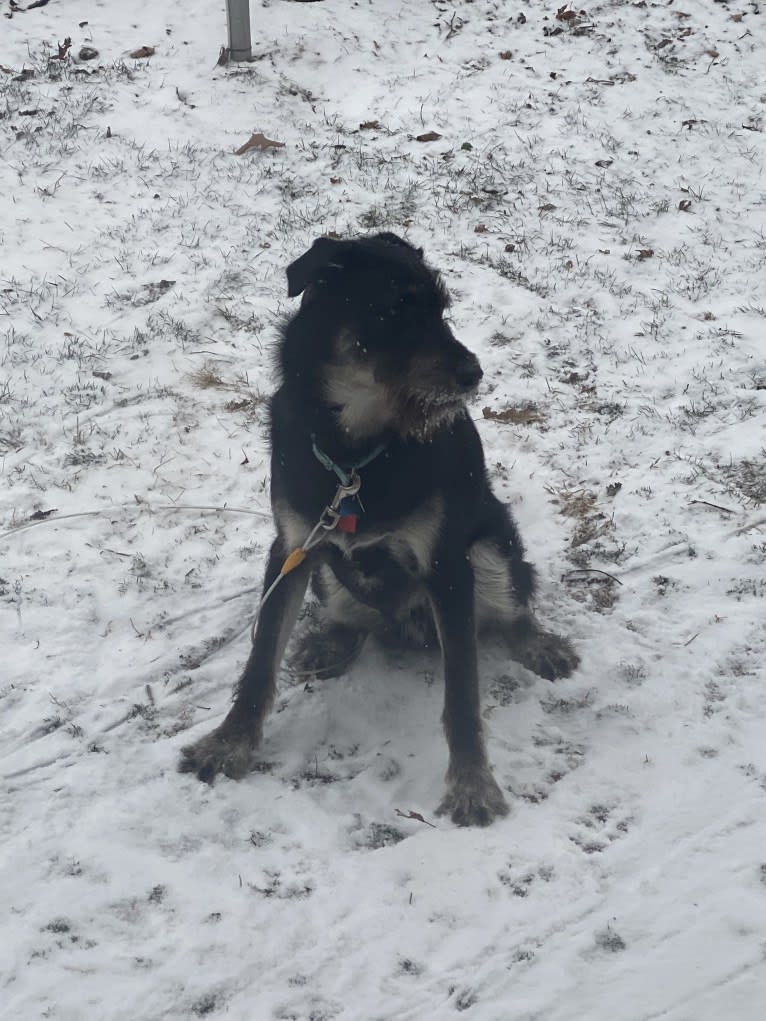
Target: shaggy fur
[369,360]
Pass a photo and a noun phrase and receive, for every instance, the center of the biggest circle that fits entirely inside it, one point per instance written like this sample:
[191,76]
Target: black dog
[373,392]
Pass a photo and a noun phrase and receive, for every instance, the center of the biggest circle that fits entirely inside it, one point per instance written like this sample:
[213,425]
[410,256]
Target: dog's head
[391,361]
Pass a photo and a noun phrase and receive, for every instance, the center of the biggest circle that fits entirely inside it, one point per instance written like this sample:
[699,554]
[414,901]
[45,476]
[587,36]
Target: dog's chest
[375,550]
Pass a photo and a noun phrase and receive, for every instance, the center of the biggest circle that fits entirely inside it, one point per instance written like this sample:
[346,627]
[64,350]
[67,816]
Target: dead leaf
[565,14]
[546,208]
[429,136]
[645,253]
[258,141]
[370,126]
[41,515]
[524,414]
[506,55]
[604,163]
[142,53]
[481,229]
[685,205]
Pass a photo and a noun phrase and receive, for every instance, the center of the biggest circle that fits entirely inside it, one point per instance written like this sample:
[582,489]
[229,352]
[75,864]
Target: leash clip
[329,517]
[350,488]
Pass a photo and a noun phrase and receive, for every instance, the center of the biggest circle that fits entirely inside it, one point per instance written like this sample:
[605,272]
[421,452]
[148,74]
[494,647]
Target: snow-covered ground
[597,203]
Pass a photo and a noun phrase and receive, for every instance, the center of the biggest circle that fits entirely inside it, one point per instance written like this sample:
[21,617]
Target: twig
[715,506]
[416,816]
[592,570]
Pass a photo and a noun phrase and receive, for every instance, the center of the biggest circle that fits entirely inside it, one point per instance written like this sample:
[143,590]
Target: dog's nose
[468,373]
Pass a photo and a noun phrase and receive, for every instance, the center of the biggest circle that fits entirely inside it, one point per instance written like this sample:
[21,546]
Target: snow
[597,204]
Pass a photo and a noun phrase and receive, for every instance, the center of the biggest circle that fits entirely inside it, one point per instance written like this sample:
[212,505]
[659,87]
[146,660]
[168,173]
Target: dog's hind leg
[544,653]
[473,797]
[331,644]
[504,583]
[326,650]
[229,748]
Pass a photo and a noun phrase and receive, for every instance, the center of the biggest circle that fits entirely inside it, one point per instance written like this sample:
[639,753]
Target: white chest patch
[410,540]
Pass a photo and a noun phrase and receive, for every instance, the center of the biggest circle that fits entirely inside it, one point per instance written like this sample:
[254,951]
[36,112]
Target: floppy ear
[307,269]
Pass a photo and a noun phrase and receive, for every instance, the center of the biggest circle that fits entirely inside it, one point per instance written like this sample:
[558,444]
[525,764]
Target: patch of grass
[245,398]
[748,478]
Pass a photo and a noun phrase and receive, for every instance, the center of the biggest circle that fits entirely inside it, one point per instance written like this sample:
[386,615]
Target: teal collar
[344,474]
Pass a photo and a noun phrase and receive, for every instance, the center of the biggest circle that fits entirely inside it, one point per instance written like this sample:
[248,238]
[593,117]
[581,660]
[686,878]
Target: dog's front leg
[229,748]
[473,797]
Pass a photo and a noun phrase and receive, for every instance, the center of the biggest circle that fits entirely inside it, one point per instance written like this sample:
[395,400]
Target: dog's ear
[393,239]
[308,269]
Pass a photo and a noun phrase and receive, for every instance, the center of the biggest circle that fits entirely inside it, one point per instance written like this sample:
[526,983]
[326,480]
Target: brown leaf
[524,414]
[429,136]
[506,55]
[564,14]
[142,52]
[546,208]
[645,253]
[685,205]
[370,126]
[604,163]
[258,141]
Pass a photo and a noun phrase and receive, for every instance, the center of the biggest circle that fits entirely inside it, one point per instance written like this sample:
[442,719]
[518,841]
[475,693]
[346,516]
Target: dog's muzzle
[468,374]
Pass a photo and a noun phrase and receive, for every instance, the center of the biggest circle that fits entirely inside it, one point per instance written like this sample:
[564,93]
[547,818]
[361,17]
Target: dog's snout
[468,373]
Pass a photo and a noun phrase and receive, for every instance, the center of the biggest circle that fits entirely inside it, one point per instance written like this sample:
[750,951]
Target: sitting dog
[378,482]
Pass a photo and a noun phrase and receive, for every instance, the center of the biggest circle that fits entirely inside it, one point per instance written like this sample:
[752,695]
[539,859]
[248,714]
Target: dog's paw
[548,655]
[219,752]
[474,801]
[326,652]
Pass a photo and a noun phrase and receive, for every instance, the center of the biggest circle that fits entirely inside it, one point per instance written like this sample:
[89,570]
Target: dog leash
[339,513]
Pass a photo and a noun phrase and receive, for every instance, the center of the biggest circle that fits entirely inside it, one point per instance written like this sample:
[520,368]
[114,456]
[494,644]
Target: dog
[378,481]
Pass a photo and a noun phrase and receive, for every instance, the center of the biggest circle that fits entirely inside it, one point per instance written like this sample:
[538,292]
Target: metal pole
[238,19]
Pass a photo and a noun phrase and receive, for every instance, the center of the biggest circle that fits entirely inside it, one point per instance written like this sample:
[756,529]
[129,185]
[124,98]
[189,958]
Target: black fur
[367,360]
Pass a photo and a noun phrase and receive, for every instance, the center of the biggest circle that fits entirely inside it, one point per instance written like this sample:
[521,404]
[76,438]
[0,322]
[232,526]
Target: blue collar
[344,474]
